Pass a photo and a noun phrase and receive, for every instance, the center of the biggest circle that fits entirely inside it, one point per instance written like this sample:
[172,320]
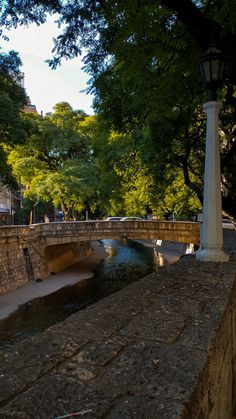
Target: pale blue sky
[44,86]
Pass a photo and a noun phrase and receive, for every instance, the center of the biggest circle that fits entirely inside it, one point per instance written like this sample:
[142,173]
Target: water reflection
[127,261]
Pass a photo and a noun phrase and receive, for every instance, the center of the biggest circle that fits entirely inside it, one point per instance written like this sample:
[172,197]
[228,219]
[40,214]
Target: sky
[44,86]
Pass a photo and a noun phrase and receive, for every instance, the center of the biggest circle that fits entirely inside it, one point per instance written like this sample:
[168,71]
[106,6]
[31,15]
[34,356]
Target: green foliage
[134,182]
[143,62]
[177,198]
[6,176]
[12,99]
[55,162]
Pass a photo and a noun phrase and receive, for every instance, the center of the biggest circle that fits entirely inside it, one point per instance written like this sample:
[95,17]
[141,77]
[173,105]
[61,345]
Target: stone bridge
[28,253]
[57,233]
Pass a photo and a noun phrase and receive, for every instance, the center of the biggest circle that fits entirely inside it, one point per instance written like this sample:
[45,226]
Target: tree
[12,100]
[133,181]
[105,28]
[55,163]
[143,58]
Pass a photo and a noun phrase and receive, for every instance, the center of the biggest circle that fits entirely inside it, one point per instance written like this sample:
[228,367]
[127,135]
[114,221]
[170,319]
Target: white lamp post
[212,68]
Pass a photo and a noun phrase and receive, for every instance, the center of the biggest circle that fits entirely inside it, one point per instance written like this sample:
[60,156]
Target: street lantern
[212,71]
[211,240]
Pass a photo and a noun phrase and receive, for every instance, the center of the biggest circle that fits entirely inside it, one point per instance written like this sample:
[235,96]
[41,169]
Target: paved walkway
[82,270]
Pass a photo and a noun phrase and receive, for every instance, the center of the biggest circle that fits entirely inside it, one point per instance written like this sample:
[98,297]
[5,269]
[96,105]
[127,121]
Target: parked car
[113,218]
[132,219]
[229,224]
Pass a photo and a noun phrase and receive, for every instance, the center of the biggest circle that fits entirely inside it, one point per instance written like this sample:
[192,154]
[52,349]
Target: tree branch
[204,30]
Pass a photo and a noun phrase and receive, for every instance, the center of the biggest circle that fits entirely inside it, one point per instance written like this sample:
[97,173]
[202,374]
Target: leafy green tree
[55,163]
[143,59]
[120,31]
[176,198]
[12,100]
[105,153]
[133,182]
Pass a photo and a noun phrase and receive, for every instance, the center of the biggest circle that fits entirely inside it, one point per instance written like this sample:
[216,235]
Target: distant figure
[46,218]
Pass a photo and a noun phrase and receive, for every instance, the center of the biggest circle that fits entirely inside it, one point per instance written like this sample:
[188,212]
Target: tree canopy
[54,164]
[104,27]
[143,59]
[12,100]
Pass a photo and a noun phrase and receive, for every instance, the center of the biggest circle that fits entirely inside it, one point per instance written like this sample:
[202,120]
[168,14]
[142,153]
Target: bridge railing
[56,233]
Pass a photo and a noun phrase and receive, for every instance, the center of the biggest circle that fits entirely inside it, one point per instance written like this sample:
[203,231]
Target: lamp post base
[212,255]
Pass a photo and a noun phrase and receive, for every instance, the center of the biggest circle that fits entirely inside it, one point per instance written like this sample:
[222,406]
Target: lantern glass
[206,71]
[212,69]
[216,74]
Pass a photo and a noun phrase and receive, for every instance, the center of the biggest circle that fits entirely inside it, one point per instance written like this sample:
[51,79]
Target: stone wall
[13,272]
[164,347]
[181,248]
[180,231]
[60,257]
[26,260]
[215,394]
[229,245]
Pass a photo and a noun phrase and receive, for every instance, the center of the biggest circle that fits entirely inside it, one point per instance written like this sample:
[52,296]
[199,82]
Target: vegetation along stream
[127,261]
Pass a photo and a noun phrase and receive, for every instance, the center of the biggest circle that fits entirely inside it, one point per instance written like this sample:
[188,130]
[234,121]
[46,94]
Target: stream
[127,261]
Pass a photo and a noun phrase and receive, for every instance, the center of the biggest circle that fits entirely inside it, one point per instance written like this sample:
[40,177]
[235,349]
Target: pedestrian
[46,218]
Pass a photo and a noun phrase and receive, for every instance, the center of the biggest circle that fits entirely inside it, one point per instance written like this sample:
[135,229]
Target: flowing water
[126,262]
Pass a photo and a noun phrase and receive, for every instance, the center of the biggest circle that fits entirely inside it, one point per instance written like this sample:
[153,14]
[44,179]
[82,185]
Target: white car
[113,218]
[132,219]
[229,224]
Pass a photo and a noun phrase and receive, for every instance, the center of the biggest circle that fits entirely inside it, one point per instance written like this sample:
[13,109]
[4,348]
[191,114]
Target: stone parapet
[164,347]
[56,233]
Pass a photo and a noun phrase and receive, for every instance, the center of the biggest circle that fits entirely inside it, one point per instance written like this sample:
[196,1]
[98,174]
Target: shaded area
[152,350]
[127,261]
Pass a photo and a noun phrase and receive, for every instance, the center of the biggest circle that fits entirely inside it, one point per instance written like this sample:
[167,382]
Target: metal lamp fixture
[212,70]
